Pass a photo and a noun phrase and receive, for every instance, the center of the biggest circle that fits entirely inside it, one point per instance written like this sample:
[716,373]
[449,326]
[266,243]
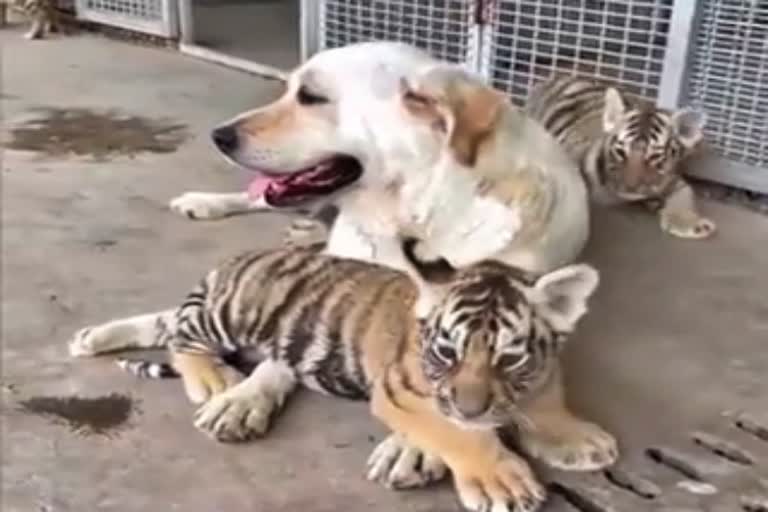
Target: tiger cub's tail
[148,369]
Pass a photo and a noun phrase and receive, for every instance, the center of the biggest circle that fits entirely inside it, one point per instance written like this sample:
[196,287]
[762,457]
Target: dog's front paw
[506,485]
[399,465]
[582,446]
[235,416]
[199,206]
[304,232]
[85,342]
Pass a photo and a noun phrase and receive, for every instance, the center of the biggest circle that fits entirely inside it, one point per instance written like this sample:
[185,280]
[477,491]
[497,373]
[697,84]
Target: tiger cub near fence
[486,356]
[628,150]
[42,14]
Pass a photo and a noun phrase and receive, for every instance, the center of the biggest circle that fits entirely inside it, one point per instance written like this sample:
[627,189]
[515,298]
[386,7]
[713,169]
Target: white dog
[403,145]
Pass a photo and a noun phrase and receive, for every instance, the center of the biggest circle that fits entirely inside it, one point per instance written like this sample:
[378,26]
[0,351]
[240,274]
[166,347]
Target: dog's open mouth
[318,180]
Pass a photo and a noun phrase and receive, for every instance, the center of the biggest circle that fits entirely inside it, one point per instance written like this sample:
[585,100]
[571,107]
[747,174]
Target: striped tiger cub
[485,356]
[42,14]
[628,150]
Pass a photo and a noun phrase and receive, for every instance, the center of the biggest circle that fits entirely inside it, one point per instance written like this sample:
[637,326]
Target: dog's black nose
[225,138]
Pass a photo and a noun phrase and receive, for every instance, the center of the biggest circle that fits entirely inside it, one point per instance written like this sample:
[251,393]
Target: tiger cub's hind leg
[244,411]
[204,374]
[141,331]
[562,440]
[679,216]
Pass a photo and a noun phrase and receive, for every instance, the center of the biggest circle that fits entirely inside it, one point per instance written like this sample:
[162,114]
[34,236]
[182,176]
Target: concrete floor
[675,342]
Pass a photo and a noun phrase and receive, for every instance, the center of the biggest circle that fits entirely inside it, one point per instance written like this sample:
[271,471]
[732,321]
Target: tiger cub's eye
[509,362]
[445,352]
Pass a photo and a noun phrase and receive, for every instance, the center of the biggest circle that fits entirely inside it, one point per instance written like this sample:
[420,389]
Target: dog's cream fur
[445,158]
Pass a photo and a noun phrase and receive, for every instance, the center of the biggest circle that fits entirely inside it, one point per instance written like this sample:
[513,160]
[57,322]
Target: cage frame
[167,26]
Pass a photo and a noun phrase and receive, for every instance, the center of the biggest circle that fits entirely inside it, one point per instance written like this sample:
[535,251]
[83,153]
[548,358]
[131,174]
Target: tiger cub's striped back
[627,148]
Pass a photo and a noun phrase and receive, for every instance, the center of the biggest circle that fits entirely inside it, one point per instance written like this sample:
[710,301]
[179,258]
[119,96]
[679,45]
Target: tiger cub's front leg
[562,440]
[678,215]
[487,476]
[244,411]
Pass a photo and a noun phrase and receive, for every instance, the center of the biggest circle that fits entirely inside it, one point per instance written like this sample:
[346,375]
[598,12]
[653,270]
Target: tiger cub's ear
[613,109]
[431,273]
[689,126]
[561,295]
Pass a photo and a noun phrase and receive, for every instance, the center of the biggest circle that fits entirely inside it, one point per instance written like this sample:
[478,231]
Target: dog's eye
[307,97]
[416,100]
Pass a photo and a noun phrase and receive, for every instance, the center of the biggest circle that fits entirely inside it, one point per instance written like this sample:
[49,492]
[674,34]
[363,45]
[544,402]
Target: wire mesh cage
[441,27]
[711,54]
[729,77]
[623,40]
[156,17]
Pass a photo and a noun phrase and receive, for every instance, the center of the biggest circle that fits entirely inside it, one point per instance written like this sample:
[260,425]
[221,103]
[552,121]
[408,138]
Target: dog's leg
[141,331]
[561,439]
[209,206]
[348,240]
[312,229]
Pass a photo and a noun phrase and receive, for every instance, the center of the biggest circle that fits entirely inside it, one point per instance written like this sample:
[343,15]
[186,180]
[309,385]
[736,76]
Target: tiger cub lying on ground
[486,356]
[627,149]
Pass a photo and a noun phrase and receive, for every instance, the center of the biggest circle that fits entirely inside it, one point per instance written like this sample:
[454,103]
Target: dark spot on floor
[99,416]
[104,244]
[101,135]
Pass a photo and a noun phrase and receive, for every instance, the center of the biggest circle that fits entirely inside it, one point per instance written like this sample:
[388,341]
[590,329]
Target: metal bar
[677,56]
[186,22]
[171,18]
[310,14]
[156,28]
[224,59]
[483,38]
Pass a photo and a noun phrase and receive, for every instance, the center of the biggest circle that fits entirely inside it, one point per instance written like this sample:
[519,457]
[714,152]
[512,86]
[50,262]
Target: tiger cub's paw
[691,227]
[582,446]
[507,485]
[235,416]
[399,465]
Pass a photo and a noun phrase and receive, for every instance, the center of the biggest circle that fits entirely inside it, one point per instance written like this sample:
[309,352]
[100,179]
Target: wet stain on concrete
[100,416]
[98,135]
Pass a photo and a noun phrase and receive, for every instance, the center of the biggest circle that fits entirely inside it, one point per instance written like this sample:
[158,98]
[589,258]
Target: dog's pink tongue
[257,187]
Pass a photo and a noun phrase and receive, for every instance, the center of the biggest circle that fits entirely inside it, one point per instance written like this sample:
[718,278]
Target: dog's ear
[475,109]
[456,103]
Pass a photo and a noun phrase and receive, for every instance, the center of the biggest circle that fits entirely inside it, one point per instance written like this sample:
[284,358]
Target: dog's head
[367,115]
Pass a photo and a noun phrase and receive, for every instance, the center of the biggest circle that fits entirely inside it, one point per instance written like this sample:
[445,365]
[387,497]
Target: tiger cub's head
[492,334]
[645,146]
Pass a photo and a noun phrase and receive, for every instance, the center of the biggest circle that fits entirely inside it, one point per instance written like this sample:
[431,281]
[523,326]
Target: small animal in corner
[42,14]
